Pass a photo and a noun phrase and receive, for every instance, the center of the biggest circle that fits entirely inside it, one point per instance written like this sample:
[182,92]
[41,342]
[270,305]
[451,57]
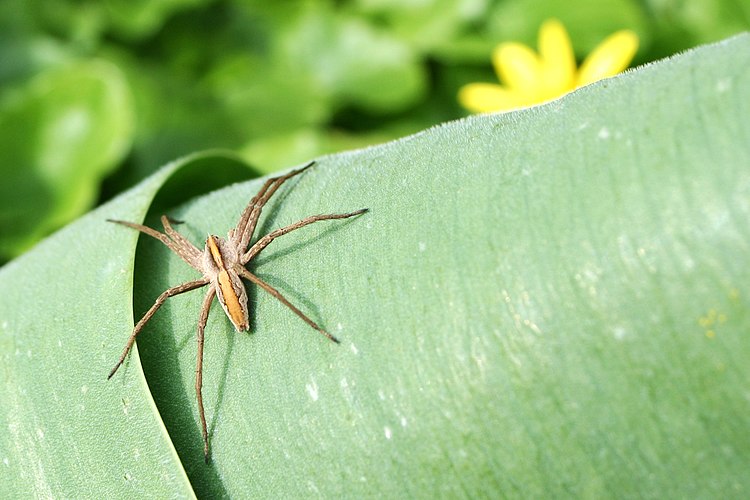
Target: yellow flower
[530,78]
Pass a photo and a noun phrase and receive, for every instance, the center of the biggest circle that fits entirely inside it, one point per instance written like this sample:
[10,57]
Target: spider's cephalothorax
[222,264]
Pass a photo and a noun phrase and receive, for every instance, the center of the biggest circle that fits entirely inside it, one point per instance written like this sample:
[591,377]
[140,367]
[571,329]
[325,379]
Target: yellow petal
[611,57]
[487,97]
[518,67]
[558,59]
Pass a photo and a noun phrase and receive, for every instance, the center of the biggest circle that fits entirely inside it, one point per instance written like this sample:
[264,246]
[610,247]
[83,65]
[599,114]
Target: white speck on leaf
[603,133]
[619,333]
[388,432]
[723,85]
[312,390]
[311,486]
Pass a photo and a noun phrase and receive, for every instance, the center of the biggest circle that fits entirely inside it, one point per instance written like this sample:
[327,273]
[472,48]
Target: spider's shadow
[287,289]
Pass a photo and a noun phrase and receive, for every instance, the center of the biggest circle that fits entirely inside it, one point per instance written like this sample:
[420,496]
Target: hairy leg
[182,252]
[268,288]
[185,287]
[267,239]
[187,247]
[199,366]
[249,219]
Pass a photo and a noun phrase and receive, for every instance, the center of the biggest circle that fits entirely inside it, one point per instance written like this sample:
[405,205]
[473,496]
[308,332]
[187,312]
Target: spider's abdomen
[229,287]
[233,299]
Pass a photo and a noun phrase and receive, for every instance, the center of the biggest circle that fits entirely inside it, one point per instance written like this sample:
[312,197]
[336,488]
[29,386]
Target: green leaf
[301,64]
[60,136]
[588,22]
[67,432]
[88,22]
[545,303]
[141,18]
[427,24]
[352,62]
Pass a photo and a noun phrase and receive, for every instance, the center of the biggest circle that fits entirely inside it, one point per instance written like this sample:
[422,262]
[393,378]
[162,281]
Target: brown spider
[222,263]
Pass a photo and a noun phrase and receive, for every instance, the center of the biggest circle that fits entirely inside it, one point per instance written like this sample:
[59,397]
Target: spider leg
[267,239]
[199,366]
[183,252]
[185,244]
[265,286]
[185,287]
[251,214]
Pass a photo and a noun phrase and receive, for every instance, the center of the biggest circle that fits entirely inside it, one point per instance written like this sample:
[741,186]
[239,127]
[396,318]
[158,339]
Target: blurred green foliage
[95,95]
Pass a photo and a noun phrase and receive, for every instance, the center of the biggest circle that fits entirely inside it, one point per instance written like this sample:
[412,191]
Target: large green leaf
[551,302]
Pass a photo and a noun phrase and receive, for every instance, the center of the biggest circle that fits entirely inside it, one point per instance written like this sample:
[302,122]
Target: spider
[222,263]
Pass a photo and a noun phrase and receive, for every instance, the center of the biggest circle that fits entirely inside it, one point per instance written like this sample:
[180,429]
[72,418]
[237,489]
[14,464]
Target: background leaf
[551,302]
[59,139]
[276,82]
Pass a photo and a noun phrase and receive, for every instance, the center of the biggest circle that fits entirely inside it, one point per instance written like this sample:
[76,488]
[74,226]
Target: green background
[96,95]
